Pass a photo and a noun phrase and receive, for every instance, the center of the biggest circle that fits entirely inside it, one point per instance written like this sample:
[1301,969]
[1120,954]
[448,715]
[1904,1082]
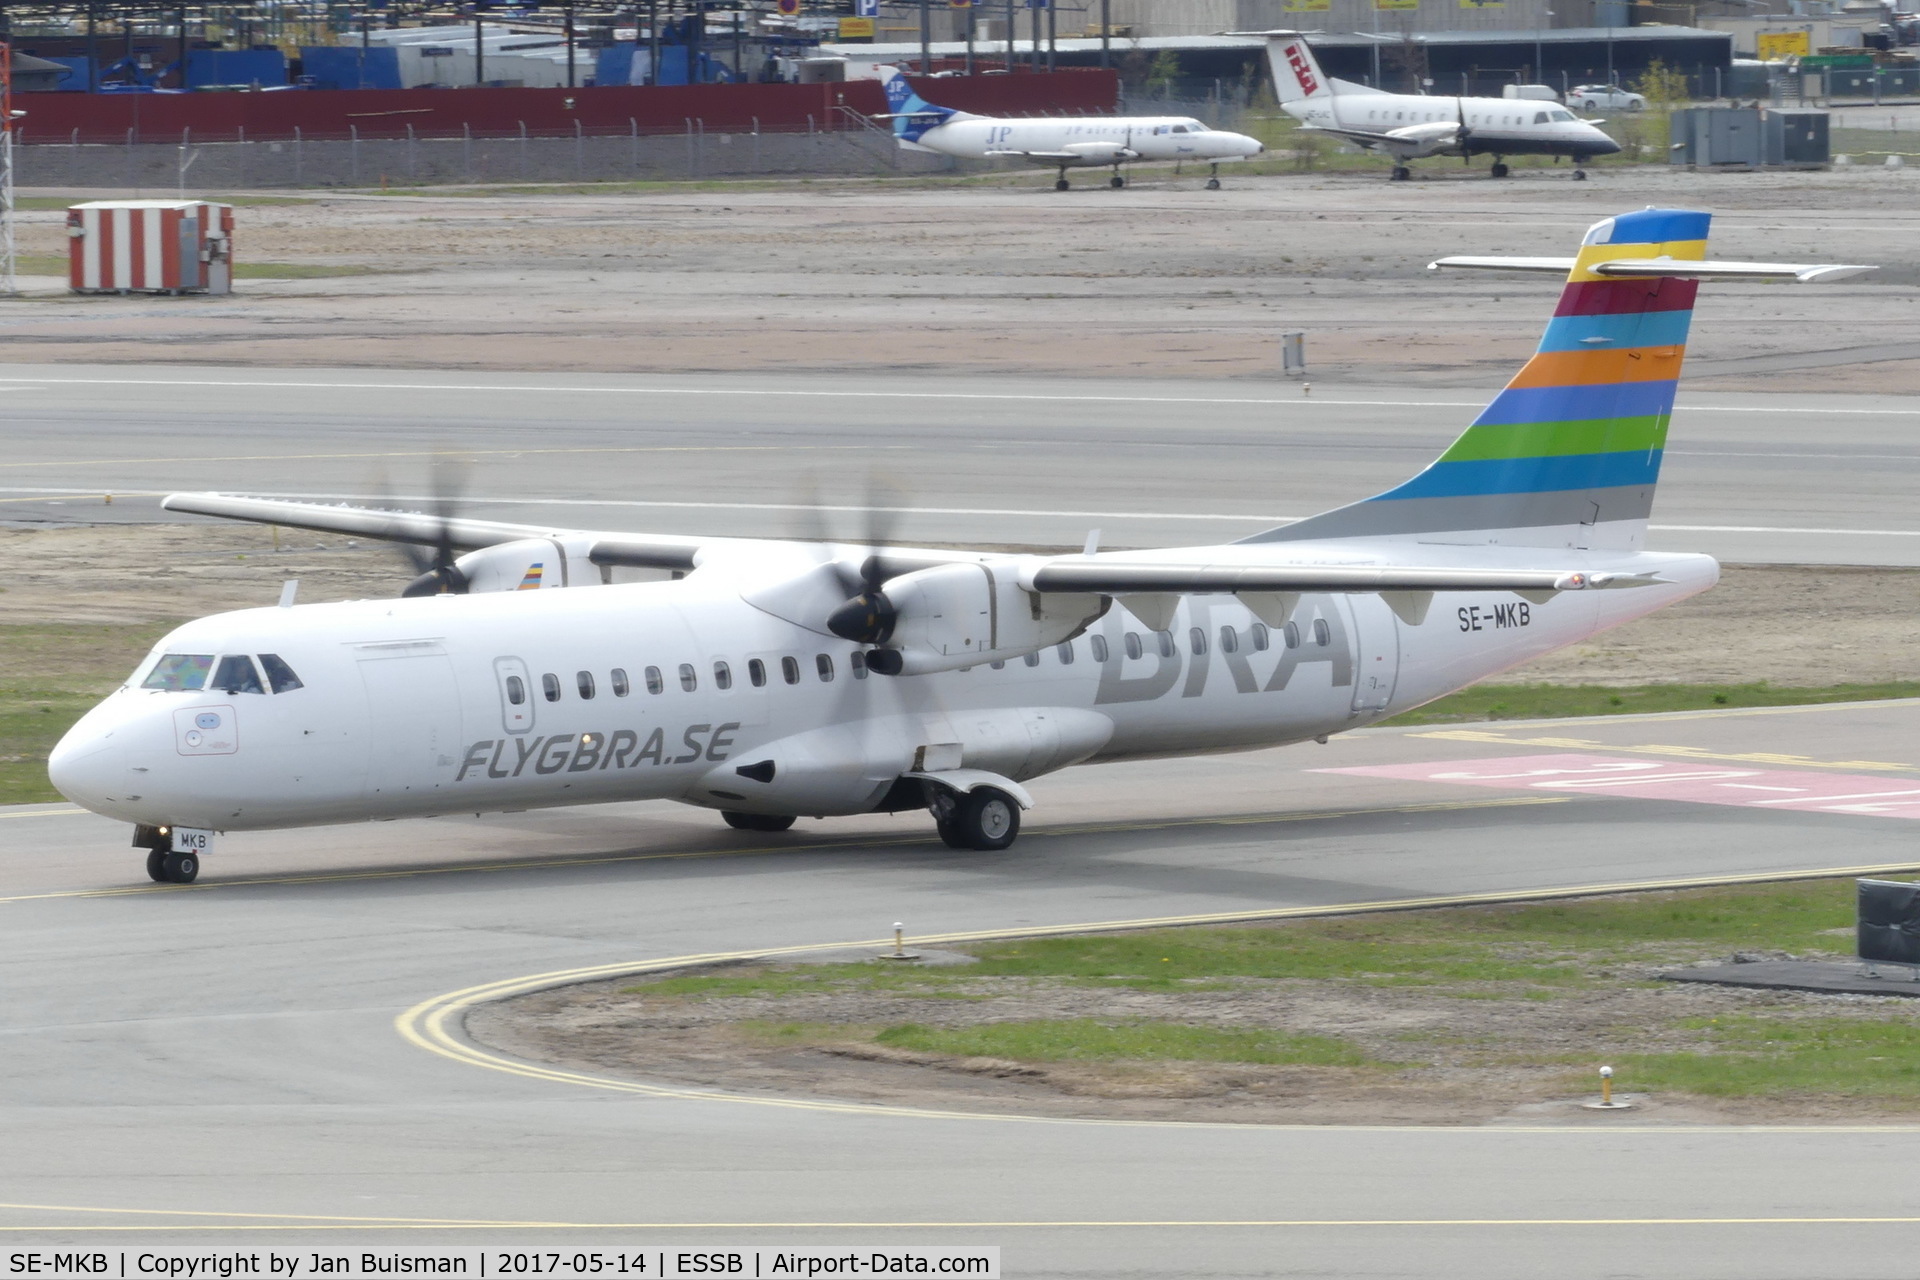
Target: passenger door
[1376,652]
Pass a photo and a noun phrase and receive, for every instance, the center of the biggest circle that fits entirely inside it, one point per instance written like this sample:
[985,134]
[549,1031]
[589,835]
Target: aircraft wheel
[1061,184]
[157,865]
[1579,175]
[1213,184]
[1400,173]
[1116,182]
[1499,169]
[179,868]
[757,821]
[984,818]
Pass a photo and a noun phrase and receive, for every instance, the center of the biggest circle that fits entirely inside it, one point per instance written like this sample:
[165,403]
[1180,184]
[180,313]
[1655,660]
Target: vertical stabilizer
[912,114]
[1296,73]
[1569,453]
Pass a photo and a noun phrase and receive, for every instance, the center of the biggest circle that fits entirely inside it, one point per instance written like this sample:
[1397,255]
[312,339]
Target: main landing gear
[757,821]
[1499,169]
[1400,173]
[983,818]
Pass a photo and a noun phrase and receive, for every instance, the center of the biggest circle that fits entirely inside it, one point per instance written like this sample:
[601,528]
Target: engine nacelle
[530,564]
[960,615]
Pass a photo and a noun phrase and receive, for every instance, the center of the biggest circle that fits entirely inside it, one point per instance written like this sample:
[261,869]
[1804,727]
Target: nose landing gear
[1499,169]
[164,864]
[1400,174]
[1213,179]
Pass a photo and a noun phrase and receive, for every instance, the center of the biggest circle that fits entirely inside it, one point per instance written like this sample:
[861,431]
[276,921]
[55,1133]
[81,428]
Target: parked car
[1604,97]
[1530,92]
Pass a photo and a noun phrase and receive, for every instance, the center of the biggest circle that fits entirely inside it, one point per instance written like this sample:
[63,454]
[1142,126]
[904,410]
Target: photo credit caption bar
[655,1262]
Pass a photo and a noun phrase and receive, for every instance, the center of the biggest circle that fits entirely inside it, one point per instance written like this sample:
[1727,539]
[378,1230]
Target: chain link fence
[695,152]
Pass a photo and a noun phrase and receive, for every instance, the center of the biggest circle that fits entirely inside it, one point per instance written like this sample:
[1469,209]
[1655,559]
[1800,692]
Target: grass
[49,675]
[1527,951]
[1551,701]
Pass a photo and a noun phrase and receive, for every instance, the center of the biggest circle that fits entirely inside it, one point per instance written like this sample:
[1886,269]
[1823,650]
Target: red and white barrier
[150,246]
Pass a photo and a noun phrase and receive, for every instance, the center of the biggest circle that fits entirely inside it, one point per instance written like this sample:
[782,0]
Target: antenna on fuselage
[288,590]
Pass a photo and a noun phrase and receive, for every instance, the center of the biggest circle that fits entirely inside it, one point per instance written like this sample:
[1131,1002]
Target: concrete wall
[1209,17]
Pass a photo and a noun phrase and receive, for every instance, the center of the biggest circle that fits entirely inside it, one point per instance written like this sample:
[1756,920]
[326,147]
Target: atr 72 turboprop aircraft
[1062,142]
[1409,126]
[778,679]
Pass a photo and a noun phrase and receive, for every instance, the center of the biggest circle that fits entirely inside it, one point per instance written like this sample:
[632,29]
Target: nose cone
[1602,144]
[101,762]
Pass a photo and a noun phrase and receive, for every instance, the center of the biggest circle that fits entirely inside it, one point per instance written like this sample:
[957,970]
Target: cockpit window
[1539,117]
[280,677]
[1561,115]
[178,671]
[235,674]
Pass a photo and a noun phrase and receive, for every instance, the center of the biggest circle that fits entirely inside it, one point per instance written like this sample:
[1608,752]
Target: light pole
[1540,45]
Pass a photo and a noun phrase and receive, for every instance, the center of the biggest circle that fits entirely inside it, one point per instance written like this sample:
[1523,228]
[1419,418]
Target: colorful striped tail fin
[1568,454]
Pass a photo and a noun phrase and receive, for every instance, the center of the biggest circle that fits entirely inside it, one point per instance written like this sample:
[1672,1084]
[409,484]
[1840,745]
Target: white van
[1531,92]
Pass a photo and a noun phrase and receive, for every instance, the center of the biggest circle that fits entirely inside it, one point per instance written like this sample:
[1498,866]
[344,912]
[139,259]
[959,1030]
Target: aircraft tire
[179,868]
[1116,182]
[1579,175]
[1213,184]
[157,865]
[1061,184]
[1400,173]
[1499,169]
[757,821]
[986,818]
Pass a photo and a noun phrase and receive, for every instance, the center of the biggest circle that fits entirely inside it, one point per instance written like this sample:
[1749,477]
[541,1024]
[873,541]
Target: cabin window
[1197,640]
[790,670]
[1133,645]
[688,680]
[1322,633]
[654,683]
[722,675]
[584,682]
[858,661]
[280,677]
[1165,639]
[1292,635]
[1065,650]
[617,678]
[179,672]
[1229,640]
[756,673]
[550,686]
[235,674]
[1260,640]
[516,691]
[1099,646]
[823,664]
[1539,117]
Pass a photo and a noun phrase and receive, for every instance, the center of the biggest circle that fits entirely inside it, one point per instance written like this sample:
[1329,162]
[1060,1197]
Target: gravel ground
[982,278]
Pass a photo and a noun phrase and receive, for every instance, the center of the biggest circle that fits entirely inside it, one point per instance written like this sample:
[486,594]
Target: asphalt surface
[222,1062]
[1748,478]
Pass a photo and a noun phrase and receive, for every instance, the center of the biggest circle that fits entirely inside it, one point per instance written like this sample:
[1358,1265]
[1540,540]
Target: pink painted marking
[1670,780]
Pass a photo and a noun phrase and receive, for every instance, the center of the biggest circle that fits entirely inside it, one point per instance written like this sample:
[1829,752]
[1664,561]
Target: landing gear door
[1376,652]
[516,694]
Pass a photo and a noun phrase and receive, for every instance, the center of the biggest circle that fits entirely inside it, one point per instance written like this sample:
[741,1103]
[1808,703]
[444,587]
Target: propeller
[436,574]
[867,617]
[1460,136]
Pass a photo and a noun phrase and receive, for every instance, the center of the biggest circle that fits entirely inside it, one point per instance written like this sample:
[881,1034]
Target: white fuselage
[1090,140]
[405,706]
[1428,125]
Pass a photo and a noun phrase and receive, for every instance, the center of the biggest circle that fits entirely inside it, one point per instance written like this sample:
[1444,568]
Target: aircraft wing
[1367,136]
[1121,153]
[637,550]
[1116,576]
[1681,268]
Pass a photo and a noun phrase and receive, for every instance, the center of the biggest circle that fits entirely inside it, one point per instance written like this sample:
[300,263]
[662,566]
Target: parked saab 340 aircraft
[1409,126]
[775,679]
[1063,142]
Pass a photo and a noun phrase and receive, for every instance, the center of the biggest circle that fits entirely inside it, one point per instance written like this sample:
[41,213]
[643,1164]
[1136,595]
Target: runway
[1148,461]
[221,1062]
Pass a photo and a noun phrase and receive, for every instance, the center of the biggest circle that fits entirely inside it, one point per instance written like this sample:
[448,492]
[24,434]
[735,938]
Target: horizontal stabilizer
[1674,268]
